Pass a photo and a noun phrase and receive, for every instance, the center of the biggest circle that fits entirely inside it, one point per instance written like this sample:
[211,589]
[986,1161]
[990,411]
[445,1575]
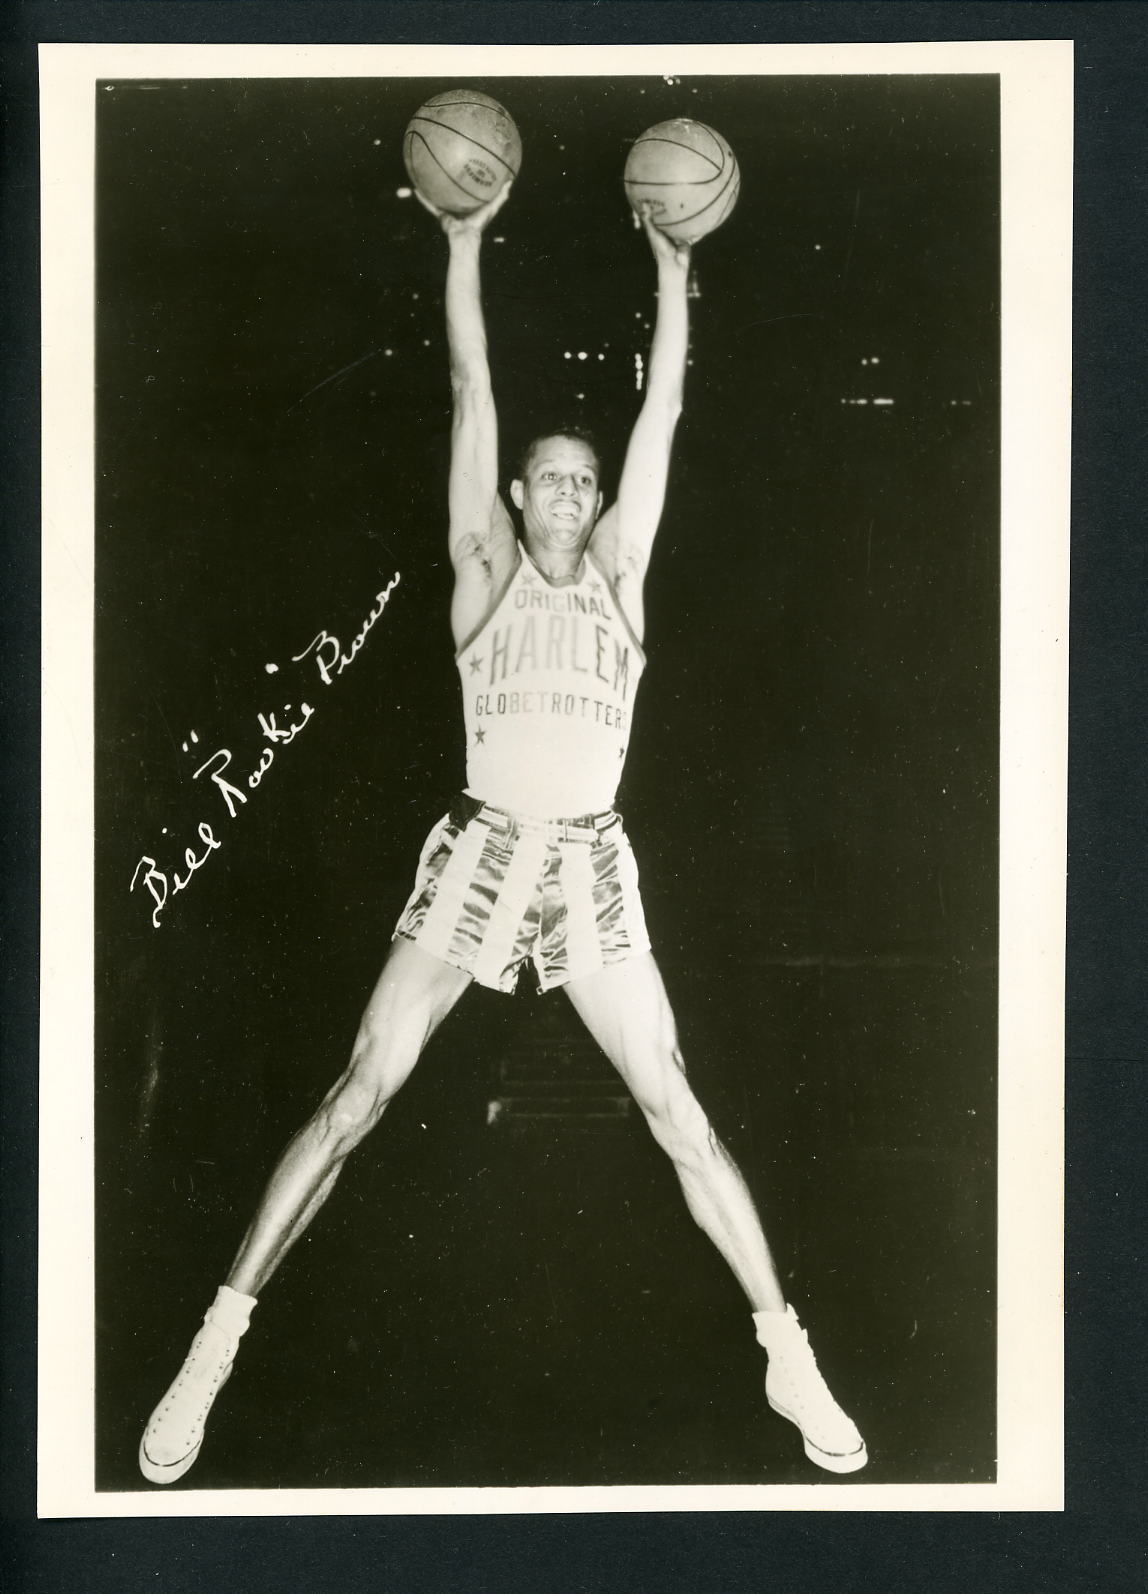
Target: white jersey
[548,687]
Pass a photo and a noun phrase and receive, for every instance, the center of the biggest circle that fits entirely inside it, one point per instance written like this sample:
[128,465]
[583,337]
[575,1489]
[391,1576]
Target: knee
[679,1122]
[351,1110]
[361,1095]
[390,1037]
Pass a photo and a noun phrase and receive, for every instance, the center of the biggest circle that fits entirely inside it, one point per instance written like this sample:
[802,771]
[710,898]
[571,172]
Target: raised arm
[481,538]
[624,537]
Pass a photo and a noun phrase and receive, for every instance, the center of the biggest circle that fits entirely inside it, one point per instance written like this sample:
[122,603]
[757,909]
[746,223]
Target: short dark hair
[577,434]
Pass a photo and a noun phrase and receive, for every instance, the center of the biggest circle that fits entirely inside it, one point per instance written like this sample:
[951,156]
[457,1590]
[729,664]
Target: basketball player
[532,861]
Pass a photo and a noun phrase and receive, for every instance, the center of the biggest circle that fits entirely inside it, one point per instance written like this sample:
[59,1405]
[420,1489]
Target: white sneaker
[174,1433]
[796,1390]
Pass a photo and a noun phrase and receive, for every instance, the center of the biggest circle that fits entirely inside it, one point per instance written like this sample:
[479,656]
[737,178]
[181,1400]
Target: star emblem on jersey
[475,663]
[479,736]
[595,587]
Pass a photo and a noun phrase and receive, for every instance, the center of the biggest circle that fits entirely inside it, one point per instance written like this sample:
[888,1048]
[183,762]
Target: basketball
[460,149]
[687,174]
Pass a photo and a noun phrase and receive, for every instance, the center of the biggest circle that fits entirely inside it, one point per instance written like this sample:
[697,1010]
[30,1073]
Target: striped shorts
[495,888]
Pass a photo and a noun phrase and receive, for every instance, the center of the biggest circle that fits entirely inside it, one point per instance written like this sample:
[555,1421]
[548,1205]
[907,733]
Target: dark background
[811,791]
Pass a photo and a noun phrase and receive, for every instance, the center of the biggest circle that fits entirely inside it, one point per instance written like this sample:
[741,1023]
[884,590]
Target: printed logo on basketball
[460,148]
[480,173]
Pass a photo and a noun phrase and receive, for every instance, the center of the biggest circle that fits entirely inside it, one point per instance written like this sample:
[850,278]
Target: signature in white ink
[156,880]
[328,650]
[221,759]
[332,661]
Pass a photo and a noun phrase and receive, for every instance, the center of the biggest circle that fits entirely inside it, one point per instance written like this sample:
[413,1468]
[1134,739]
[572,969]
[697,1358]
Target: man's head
[558,491]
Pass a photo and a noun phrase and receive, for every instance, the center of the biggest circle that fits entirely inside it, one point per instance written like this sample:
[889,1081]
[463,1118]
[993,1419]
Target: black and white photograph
[546,780]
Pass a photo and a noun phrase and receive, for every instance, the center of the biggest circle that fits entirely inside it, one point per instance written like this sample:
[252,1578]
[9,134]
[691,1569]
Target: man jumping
[532,860]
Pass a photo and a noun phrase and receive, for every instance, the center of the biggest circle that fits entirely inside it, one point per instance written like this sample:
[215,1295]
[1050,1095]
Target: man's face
[559,498]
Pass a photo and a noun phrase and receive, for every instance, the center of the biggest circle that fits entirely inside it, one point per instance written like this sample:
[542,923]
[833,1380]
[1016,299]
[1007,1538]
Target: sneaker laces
[196,1384]
[796,1365]
[211,1348]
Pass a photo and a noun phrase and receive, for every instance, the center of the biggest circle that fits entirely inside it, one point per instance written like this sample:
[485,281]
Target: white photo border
[1036,168]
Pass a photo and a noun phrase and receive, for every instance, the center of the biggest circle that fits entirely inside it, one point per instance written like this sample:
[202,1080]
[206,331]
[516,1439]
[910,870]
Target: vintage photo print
[555,638]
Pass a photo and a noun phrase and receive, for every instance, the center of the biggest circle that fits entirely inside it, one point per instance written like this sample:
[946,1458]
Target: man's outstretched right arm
[481,535]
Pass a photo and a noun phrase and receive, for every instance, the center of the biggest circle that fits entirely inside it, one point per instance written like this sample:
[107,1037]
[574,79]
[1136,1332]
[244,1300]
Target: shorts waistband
[585,827]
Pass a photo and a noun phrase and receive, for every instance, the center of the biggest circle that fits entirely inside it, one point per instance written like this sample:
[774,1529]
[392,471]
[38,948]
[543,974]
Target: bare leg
[626,1009]
[414,994]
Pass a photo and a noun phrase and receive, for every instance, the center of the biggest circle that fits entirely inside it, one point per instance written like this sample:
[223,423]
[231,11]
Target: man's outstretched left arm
[624,537]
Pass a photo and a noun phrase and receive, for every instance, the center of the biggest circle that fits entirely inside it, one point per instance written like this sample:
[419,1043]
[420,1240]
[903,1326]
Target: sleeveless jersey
[548,687]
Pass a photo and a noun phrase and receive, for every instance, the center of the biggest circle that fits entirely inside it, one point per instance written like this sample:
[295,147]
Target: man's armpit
[473,551]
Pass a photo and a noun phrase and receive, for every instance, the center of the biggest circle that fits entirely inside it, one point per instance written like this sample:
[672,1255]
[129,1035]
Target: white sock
[231,1311]
[763,1322]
